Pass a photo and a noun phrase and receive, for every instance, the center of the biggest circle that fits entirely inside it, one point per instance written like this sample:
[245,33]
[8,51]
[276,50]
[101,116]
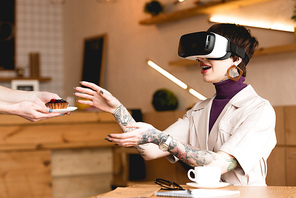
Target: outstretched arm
[26,104]
[198,157]
[145,137]
[105,101]
[144,133]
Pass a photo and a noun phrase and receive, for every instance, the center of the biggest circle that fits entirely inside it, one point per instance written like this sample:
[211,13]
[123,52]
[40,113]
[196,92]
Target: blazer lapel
[237,101]
[201,123]
[214,132]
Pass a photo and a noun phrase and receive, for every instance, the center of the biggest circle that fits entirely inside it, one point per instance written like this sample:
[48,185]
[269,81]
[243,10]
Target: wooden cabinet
[66,156]
[282,161]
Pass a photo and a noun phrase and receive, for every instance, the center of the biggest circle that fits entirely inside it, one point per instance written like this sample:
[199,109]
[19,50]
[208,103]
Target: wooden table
[245,191]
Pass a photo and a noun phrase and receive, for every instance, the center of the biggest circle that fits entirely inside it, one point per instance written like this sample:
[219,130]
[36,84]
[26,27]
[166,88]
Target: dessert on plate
[57,104]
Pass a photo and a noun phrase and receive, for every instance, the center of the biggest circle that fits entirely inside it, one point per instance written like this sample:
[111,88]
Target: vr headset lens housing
[209,45]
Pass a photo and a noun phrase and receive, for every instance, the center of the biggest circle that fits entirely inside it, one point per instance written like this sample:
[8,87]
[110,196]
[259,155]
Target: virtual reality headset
[209,45]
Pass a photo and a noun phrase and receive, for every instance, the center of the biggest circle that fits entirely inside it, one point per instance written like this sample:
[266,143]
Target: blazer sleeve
[180,131]
[254,139]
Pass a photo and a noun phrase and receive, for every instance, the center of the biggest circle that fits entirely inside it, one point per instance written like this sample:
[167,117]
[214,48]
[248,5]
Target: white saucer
[64,110]
[216,185]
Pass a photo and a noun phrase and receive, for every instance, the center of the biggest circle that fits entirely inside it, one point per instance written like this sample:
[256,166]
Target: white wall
[38,28]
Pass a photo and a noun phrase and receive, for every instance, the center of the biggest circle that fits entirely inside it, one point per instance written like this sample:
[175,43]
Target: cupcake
[57,104]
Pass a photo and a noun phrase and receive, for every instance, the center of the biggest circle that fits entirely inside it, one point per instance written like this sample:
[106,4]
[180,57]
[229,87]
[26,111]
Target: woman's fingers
[124,139]
[82,95]
[91,85]
[93,89]
[86,102]
[85,90]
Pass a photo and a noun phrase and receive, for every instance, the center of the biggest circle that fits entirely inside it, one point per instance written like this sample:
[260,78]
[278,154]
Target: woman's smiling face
[215,71]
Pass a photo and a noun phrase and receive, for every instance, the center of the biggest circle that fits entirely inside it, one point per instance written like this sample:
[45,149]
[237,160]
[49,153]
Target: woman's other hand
[97,97]
[141,133]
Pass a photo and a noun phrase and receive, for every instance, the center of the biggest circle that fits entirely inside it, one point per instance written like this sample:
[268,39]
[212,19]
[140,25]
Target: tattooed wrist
[153,136]
[123,117]
[190,155]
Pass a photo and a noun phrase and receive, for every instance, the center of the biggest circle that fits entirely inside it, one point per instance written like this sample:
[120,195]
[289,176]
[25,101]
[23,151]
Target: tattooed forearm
[190,155]
[141,150]
[233,164]
[123,117]
[153,136]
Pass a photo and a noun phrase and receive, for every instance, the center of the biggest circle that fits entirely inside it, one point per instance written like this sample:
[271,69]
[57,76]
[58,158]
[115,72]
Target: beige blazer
[244,129]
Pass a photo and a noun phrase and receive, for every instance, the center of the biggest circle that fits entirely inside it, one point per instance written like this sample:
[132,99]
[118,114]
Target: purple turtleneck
[224,92]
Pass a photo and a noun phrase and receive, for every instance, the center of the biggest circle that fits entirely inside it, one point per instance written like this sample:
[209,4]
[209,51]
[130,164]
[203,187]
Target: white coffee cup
[205,174]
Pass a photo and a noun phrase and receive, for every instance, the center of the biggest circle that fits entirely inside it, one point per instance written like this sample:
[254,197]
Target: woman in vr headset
[233,130]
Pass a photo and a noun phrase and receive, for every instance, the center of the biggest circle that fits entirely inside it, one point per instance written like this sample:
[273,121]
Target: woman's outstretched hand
[96,97]
[141,133]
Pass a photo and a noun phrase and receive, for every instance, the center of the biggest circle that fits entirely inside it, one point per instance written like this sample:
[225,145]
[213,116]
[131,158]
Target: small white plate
[64,110]
[217,185]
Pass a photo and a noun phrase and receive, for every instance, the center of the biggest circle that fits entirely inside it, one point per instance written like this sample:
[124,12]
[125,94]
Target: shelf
[259,52]
[275,50]
[208,8]
[41,79]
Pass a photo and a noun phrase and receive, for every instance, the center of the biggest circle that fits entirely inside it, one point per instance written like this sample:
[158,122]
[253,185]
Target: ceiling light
[196,94]
[167,74]
[175,80]
[250,23]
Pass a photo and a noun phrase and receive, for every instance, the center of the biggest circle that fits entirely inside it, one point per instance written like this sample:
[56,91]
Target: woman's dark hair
[240,36]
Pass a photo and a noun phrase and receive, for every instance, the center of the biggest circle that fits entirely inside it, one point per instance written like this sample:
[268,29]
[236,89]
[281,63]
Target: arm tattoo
[232,164]
[153,136]
[197,157]
[190,155]
[123,117]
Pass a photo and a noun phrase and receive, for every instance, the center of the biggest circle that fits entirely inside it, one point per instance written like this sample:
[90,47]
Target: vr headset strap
[232,47]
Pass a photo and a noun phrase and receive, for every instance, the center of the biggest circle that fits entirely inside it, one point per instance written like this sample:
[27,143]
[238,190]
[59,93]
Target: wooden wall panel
[291,166]
[162,120]
[81,172]
[276,169]
[82,186]
[25,174]
[290,122]
[56,135]
[280,125]
[82,161]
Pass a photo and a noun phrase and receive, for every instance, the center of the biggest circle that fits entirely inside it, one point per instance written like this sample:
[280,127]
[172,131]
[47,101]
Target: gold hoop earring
[232,76]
